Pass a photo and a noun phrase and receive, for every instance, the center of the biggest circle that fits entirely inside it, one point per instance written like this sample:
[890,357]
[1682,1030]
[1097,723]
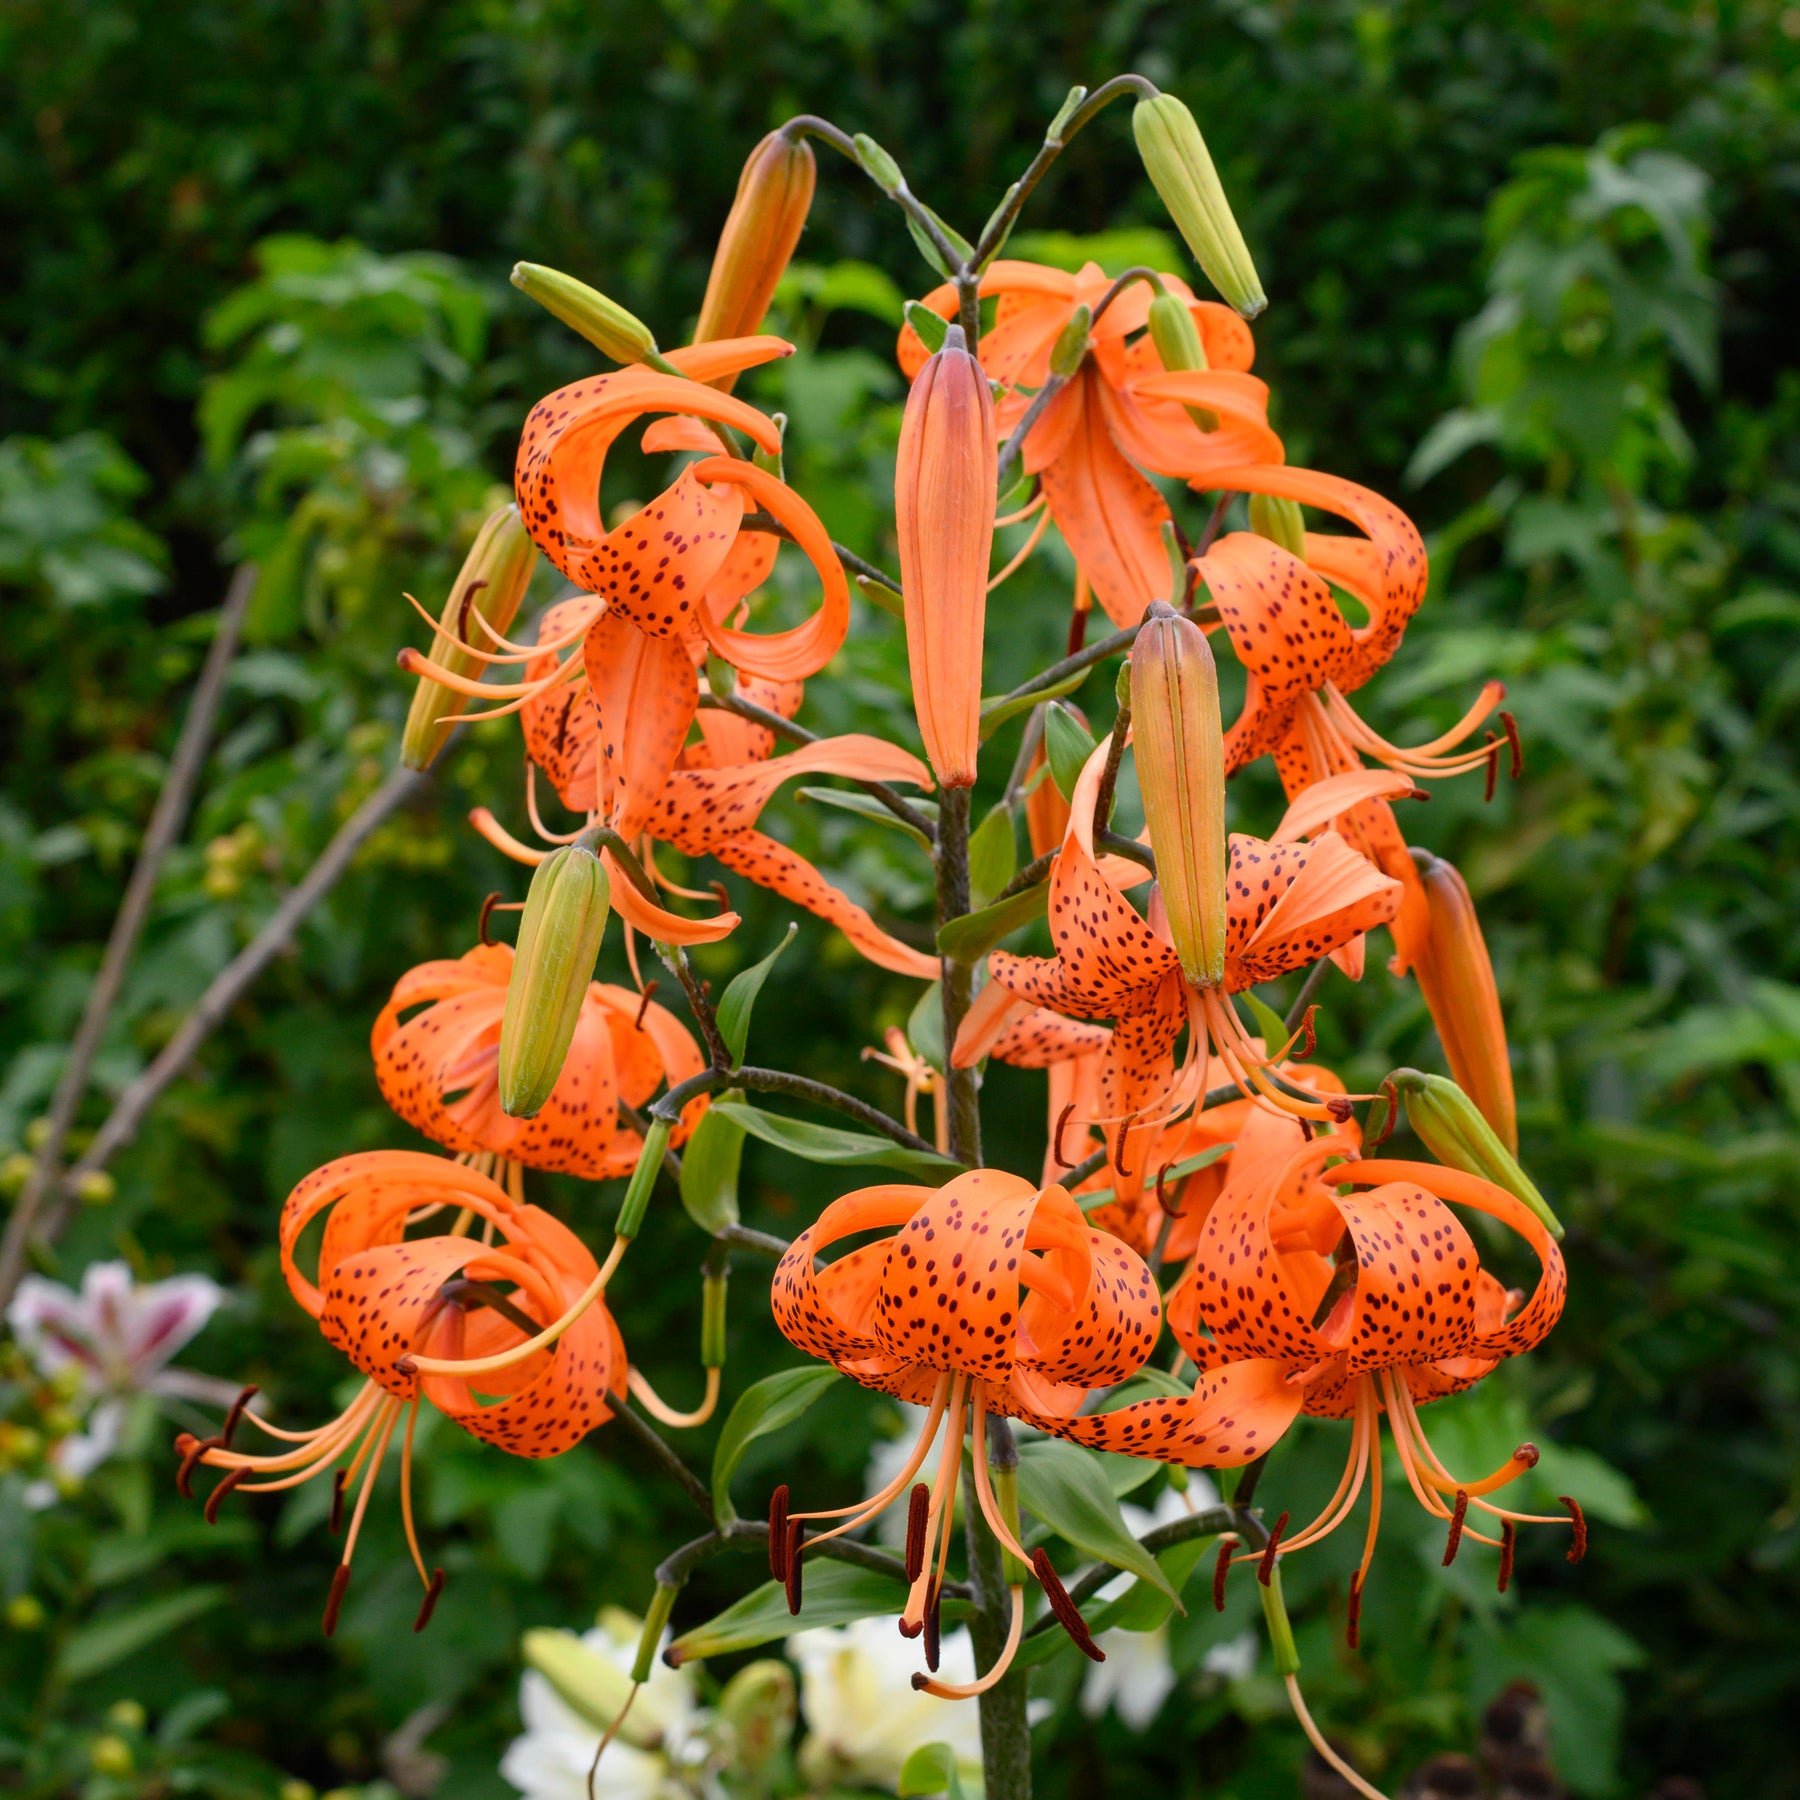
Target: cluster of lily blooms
[1316,1276]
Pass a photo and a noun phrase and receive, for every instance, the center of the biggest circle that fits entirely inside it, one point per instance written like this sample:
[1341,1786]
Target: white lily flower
[864,1718]
[551,1758]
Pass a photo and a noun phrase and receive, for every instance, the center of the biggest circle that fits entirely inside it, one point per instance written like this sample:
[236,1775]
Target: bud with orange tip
[774,194]
[1456,977]
[944,515]
[1181,772]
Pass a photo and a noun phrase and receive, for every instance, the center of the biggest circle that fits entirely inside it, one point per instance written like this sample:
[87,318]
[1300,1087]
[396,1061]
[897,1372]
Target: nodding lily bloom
[438,1069]
[989,1296]
[704,798]
[1286,906]
[1179,1205]
[423,1319]
[1358,1283]
[1120,414]
[1302,659]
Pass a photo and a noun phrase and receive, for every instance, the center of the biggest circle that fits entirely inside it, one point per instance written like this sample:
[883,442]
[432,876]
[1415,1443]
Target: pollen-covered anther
[428,1605]
[340,1580]
[1222,1569]
[1578,1523]
[1265,1568]
[796,1543]
[918,1507]
[778,1532]
[1509,1543]
[1457,1516]
[216,1498]
[1353,1617]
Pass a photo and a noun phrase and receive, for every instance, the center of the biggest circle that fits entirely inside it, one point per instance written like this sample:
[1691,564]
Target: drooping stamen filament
[1317,1740]
[968,1690]
[1439,756]
[647,1397]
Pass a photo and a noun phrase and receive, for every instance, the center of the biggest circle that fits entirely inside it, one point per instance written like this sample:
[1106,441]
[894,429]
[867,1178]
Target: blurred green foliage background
[1535,268]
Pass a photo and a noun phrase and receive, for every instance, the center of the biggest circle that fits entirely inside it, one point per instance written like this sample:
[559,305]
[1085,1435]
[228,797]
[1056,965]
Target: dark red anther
[1353,1625]
[337,1500]
[1062,1118]
[650,988]
[796,1539]
[1068,1614]
[1077,630]
[918,1509]
[1170,1207]
[778,1532]
[1312,1037]
[1578,1519]
[1221,1569]
[1493,766]
[462,611]
[340,1579]
[1460,1512]
[1125,1124]
[428,1605]
[1339,1107]
[232,1418]
[1509,1539]
[934,1628]
[1391,1118]
[487,912]
[1527,1454]
[192,1450]
[1512,738]
[216,1498]
[722,894]
[1265,1570]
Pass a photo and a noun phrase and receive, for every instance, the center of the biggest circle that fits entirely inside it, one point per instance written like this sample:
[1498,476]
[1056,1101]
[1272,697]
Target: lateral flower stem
[1109,774]
[1121,845]
[1309,988]
[637,1426]
[1099,651]
[763,1243]
[771,526]
[674,959]
[671,1162]
[891,798]
[1033,872]
[1014,446]
[799,1087]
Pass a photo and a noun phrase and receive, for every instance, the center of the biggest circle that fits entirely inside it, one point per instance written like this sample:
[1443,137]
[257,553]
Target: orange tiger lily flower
[1370,1303]
[1286,906]
[422,1319]
[989,1296]
[438,1069]
[1122,413]
[702,798]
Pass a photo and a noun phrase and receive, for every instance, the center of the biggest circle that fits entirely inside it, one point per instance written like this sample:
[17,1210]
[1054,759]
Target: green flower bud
[603,322]
[109,1755]
[589,1684]
[1281,521]
[1181,169]
[1072,345]
[878,165]
[559,943]
[96,1188]
[1179,346]
[759,1706]
[493,580]
[1451,1127]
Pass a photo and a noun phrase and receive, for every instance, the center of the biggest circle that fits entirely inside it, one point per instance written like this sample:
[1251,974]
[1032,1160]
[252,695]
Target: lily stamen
[652,1403]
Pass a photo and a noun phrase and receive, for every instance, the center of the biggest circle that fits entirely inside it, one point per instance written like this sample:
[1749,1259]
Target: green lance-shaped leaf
[866,806]
[930,328]
[112,1637]
[827,1144]
[740,999]
[995,712]
[970,938]
[709,1169]
[769,1404]
[1071,1491]
[835,1594]
[925,1026]
[993,855]
[1067,744]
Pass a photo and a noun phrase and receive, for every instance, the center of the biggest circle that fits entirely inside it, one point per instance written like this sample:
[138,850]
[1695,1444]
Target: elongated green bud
[1181,774]
[878,165]
[559,943]
[492,581]
[1178,344]
[592,1687]
[656,1619]
[1072,343]
[1281,521]
[1451,1127]
[712,1319]
[1181,169]
[603,322]
[643,1178]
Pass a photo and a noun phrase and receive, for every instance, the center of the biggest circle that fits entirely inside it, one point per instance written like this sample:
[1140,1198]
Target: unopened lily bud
[1451,1127]
[492,582]
[1181,169]
[944,515]
[559,943]
[878,165]
[759,1705]
[1181,774]
[96,1188]
[1281,521]
[1456,977]
[603,322]
[592,1687]
[1072,343]
[1176,339]
[774,195]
